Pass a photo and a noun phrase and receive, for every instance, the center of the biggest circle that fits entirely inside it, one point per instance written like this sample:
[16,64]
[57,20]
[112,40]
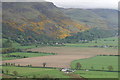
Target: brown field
[76,50]
[64,56]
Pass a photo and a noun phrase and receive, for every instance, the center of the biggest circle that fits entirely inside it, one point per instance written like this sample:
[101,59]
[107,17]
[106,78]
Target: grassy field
[55,73]
[65,55]
[98,62]
[17,45]
[97,74]
[36,72]
[23,54]
[112,41]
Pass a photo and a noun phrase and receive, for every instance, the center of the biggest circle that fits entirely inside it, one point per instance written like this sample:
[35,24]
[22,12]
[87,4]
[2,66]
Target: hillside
[90,35]
[101,18]
[33,22]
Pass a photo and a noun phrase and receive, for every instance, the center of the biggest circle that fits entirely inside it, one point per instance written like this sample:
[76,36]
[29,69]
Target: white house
[67,70]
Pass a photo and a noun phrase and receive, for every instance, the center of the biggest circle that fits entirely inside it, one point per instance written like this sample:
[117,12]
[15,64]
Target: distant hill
[101,18]
[32,22]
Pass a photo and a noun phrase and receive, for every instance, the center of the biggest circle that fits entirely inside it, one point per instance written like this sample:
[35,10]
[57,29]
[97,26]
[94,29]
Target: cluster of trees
[17,56]
[15,73]
[108,55]
[18,65]
[42,39]
[89,35]
[8,64]
[8,47]
[7,43]
[79,66]
[10,50]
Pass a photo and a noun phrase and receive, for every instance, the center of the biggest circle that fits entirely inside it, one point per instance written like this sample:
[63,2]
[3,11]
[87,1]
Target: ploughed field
[64,57]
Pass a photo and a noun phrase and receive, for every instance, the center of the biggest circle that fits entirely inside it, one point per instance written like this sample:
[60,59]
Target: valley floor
[67,56]
[64,56]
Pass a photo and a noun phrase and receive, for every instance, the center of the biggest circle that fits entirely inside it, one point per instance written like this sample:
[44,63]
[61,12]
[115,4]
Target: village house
[67,70]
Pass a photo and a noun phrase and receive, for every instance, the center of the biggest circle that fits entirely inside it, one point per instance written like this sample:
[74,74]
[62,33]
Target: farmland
[98,63]
[18,55]
[37,72]
[66,57]
[42,40]
[112,41]
[31,72]
[97,74]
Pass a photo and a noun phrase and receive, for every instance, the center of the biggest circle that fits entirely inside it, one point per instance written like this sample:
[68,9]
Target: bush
[15,73]
[110,68]
[10,50]
[78,66]
[7,71]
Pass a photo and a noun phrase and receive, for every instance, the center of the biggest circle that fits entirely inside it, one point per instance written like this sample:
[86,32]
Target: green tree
[110,68]
[78,65]
[7,71]
[7,43]
[102,68]
[3,71]
[92,67]
[34,76]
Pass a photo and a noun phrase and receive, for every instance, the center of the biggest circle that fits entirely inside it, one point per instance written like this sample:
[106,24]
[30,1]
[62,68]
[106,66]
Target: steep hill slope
[31,22]
[101,18]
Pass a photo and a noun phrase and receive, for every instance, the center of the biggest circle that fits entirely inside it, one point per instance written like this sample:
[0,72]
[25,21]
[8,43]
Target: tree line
[89,35]
[79,67]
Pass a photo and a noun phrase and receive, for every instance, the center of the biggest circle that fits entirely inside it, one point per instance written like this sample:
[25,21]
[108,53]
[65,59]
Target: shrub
[15,73]
[78,66]
[7,71]
[110,68]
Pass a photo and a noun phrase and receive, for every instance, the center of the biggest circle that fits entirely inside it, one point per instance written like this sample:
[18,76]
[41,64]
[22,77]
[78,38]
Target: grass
[98,62]
[55,73]
[112,41]
[22,54]
[17,45]
[25,47]
[38,72]
[97,74]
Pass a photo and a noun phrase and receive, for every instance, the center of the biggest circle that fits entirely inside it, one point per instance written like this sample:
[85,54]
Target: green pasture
[97,63]
[22,54]
[97,74]
[112,41]
[35,72]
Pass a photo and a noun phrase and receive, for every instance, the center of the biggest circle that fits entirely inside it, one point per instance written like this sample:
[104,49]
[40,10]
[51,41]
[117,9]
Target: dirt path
[65,56]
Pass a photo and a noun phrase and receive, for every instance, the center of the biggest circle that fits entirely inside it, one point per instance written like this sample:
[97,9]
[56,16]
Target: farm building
[67,70]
